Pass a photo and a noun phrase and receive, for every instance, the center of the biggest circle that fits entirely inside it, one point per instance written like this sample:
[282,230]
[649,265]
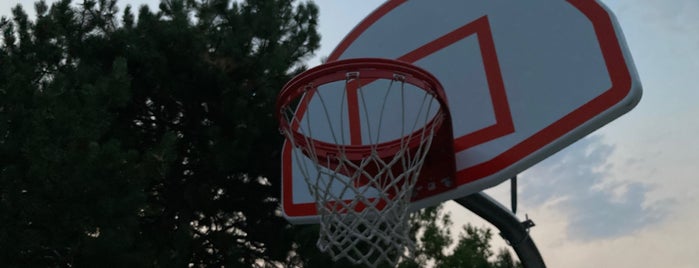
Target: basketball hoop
[361,174]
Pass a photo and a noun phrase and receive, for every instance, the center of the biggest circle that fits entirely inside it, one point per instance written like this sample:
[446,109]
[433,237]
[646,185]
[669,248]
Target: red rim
[367,68]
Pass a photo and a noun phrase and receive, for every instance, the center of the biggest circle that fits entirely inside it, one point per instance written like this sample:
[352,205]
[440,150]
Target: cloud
[579,182]
[653,18]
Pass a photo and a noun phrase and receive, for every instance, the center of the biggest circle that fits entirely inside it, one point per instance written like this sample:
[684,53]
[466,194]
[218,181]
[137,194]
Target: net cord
[341,223]
[363,203]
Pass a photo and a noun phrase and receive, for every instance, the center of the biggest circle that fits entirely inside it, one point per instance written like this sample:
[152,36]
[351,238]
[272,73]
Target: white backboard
[523,80]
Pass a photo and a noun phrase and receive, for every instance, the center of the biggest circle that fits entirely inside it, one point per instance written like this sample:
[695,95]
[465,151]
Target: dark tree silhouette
[146,140]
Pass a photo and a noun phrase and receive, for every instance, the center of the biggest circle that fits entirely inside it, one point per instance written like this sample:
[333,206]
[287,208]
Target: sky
[628,194]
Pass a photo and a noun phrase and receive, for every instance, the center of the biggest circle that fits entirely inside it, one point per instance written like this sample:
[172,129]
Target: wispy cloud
[580,183]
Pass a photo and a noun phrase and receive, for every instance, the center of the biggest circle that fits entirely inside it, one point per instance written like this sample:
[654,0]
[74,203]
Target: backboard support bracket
[513,194]
[516,232]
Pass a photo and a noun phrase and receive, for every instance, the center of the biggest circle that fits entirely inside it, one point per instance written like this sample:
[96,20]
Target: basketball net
[362,192]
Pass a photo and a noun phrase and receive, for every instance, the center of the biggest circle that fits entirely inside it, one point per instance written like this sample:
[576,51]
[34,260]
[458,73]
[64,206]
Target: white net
[363,200]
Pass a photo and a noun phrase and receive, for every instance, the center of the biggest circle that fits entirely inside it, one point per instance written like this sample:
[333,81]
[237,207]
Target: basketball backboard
[523,79]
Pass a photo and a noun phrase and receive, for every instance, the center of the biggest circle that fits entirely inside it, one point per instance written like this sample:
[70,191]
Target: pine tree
[145,140]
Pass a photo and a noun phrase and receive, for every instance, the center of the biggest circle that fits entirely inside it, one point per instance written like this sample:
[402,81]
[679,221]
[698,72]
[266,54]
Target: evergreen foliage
[148,139]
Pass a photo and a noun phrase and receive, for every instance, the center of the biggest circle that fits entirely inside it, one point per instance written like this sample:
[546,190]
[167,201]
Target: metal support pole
[513,194]
[514,231]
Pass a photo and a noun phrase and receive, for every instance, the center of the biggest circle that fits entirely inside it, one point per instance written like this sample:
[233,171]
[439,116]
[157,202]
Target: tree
[148,140]
[472,249]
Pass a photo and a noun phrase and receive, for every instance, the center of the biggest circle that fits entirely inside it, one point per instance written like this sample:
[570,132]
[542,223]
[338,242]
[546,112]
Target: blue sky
[628,194]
